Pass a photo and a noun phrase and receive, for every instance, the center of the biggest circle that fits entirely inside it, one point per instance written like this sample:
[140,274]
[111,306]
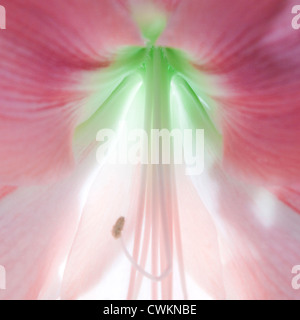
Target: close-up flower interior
[149,149]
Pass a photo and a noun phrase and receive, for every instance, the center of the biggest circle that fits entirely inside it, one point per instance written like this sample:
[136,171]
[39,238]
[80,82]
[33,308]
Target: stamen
[178,243]
[143,271]
[157,225]
[146,238]
[117,234]
[155,215]
[139,207]
[166,252]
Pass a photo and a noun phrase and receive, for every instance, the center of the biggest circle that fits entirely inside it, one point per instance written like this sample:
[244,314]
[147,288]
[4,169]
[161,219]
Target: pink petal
[258,237]
[165,5]
[94,249]
[45,53]
[251,53]
[37,228]
[199,241]
[246,240]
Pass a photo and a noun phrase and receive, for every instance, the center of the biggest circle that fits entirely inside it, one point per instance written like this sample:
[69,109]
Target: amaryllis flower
[72,223]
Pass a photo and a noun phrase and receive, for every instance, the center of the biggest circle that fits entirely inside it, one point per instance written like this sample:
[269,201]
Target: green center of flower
[168,102]
[152,88]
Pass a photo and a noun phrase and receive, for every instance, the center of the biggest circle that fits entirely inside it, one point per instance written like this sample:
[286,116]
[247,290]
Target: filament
[141,269]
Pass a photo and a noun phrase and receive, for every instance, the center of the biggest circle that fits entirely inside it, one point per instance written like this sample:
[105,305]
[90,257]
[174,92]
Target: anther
[117,234]
[118,228]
